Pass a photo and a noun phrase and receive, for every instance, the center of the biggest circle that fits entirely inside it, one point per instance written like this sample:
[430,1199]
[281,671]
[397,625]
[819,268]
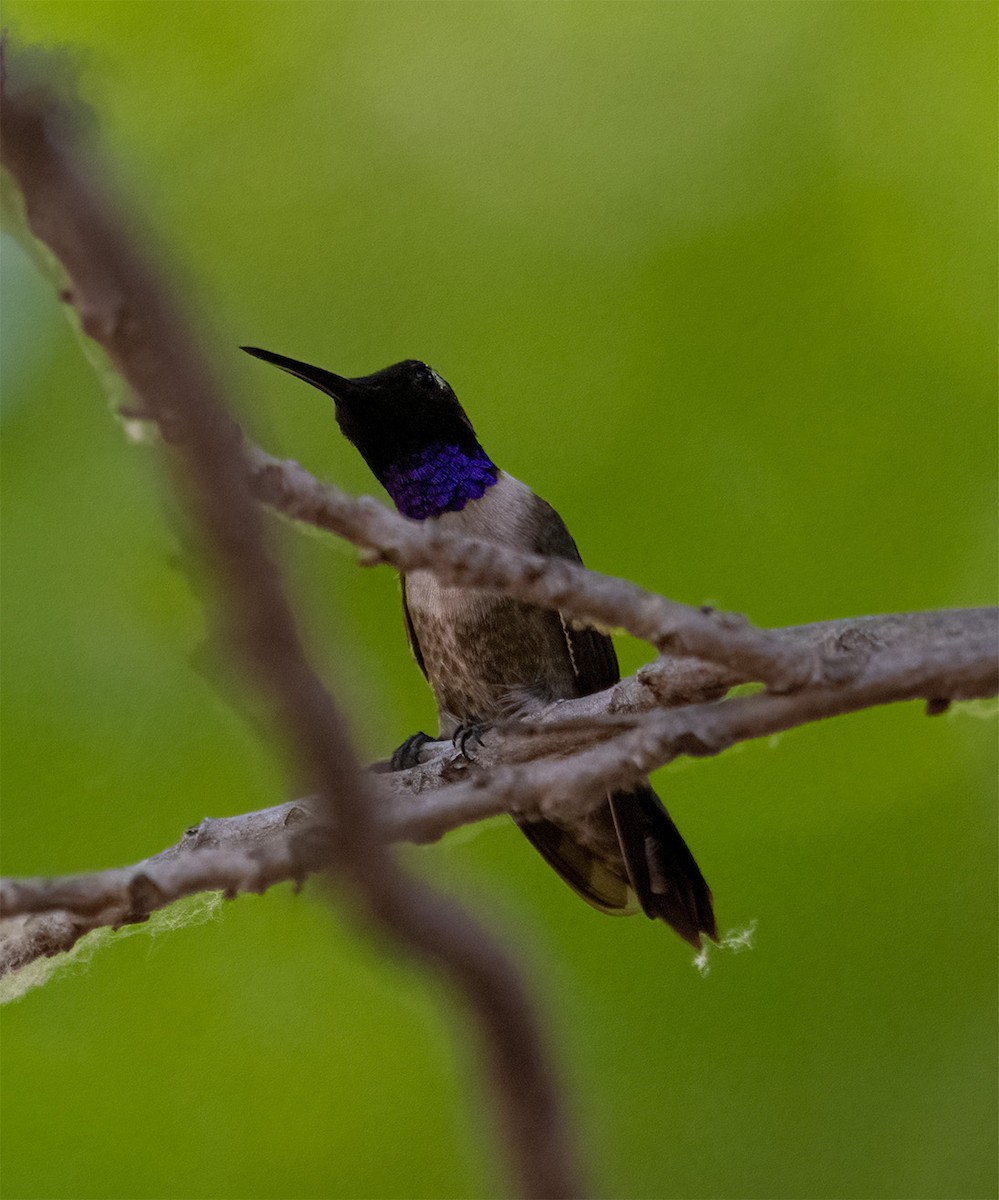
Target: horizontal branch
[940,670]
[558,766]
[248,853]
[842,649]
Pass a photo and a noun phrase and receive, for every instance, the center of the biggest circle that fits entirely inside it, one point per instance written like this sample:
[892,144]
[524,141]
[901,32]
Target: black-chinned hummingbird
[488,656]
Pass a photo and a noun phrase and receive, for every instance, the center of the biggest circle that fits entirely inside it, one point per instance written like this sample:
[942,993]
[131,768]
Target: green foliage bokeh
[719,281]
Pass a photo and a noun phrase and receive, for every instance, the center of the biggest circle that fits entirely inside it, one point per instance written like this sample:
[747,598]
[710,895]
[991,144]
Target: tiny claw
[472,734]
[408,754]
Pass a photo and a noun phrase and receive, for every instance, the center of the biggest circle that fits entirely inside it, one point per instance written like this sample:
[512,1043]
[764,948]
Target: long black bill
[334,385]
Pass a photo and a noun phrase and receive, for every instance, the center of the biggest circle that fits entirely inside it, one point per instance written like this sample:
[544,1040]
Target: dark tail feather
[666,879]
[601,883]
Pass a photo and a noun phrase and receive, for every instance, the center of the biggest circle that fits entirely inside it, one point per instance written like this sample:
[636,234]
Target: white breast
[497,516]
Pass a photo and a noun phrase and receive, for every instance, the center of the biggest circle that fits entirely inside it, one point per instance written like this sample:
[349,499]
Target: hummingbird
[487,656]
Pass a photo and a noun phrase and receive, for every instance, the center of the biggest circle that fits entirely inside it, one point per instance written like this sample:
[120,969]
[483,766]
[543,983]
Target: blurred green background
[719,281]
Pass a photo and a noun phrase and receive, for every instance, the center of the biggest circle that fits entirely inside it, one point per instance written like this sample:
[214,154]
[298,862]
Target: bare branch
[242,854]
[942,666]
[551,767]
[709,651]
[842,649]
[123,306]
[678,629]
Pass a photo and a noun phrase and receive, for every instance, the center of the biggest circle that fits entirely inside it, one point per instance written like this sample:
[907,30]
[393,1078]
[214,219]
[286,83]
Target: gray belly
[486,656]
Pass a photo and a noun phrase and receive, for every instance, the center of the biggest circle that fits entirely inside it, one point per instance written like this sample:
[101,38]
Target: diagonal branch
[724,647]
[124,306]
[678,629]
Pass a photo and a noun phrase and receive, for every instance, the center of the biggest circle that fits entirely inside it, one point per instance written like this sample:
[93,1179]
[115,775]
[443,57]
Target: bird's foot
[468,737]
[408,754]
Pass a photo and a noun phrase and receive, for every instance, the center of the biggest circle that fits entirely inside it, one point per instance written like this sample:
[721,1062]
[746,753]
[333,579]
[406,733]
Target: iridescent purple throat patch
[439,479]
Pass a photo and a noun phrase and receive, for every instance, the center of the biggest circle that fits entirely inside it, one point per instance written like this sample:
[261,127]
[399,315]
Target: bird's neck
[439,479]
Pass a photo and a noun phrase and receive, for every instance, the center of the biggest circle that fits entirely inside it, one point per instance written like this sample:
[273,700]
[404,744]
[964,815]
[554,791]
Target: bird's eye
[427,379]
[423,377]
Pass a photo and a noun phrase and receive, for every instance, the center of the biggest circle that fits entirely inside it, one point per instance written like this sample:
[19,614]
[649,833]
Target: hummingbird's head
[409,428]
